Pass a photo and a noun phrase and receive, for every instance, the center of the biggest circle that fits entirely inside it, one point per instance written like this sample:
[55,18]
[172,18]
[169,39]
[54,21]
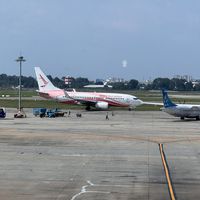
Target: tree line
[173,84]
[7,81]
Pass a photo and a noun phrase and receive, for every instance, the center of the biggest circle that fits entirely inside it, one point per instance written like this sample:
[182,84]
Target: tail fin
[166,100]
[44,83]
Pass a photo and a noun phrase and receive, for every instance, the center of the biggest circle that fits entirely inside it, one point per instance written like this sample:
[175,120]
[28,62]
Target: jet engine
[101,105]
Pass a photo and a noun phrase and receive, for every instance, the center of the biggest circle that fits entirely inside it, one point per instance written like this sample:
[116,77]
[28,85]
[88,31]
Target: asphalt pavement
[70,158]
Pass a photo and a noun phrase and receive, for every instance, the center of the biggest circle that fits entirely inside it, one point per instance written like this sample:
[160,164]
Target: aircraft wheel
[197,118]
[182,118]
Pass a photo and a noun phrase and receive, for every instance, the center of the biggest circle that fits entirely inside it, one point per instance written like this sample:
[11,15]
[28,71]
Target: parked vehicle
[2,112]
[39,112]
[54,113]
[43,112]
[58,112]
[20,114]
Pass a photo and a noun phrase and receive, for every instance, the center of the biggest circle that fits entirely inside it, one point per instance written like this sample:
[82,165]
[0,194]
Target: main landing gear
[197,118]
[87,108]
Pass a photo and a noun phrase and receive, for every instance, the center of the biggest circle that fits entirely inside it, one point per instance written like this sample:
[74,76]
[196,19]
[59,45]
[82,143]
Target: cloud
[124,63]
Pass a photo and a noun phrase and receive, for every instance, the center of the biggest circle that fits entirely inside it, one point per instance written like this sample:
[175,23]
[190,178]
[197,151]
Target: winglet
[166,100]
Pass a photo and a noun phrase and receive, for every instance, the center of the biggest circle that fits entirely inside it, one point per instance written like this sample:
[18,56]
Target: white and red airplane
[100,101]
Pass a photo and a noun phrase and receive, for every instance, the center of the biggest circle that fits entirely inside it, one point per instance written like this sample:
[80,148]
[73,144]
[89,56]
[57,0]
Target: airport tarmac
[91,158]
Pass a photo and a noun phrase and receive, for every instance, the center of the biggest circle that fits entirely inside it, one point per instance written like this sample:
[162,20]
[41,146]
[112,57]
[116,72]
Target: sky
[130,39]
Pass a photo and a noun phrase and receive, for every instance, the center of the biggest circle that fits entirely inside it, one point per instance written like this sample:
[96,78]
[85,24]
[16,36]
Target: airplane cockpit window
[135,98]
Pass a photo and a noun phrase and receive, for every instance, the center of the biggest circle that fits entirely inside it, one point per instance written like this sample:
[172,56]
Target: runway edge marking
[166,169]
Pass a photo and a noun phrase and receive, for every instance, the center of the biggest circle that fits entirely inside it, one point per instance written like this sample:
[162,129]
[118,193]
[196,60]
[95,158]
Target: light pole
[20,59]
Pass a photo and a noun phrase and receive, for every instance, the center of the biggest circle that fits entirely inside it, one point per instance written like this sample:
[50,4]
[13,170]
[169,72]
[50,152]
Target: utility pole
[20,59]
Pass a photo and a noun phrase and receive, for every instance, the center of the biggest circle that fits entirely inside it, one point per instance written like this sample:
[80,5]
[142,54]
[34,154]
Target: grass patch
[8,103]
[15,92]
[148,108]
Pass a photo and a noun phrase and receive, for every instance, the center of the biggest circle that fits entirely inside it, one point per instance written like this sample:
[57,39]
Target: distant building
[116,80]
[68,80]
[146,82]
[188,78]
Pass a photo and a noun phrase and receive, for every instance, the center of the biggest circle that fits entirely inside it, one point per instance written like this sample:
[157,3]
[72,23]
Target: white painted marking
[74,155]
[84,190]
[89,182]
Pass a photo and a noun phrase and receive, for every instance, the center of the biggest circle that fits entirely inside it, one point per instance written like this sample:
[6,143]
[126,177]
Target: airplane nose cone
[138,102]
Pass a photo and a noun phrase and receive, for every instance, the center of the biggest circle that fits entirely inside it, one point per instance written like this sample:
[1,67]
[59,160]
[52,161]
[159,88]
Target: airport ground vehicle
[20,114]
[43,112]
[39,112]
[2,113]
[54,113]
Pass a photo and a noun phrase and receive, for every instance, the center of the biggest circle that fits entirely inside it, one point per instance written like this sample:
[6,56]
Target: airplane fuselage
[113,99]
[184,110]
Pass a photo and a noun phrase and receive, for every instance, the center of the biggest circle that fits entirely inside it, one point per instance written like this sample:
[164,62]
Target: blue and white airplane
[180,110]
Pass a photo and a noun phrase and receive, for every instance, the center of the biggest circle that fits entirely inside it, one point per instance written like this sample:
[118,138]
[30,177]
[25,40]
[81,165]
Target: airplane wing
[81,101]
[67,95]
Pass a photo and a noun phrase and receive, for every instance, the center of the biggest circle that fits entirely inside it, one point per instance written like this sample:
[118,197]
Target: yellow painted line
[171,191]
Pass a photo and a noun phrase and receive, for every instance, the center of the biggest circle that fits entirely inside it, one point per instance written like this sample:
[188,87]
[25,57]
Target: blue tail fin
[166,100]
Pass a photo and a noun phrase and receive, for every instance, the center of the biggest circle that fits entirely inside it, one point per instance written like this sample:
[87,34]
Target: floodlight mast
[20,59]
